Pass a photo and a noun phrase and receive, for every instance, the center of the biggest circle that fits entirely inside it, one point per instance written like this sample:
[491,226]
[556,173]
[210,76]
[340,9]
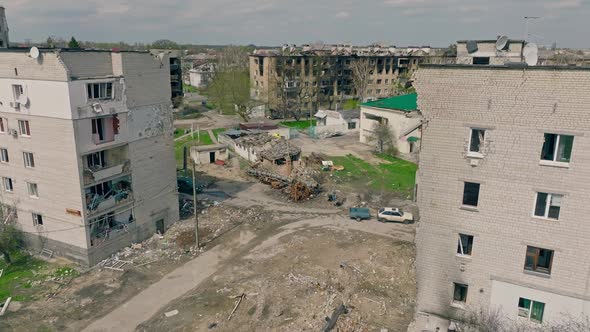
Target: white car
[394,214]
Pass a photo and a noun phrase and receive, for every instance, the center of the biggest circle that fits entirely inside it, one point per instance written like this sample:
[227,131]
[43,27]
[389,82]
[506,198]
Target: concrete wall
[516,106]
[397,120]
[203,157]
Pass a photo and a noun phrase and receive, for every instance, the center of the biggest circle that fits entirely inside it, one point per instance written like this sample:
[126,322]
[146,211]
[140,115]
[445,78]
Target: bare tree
[288,89]
[361,73]
[10,236]
[383,136]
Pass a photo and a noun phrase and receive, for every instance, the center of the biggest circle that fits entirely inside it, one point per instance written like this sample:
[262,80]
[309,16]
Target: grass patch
[351,104]
[299,125]
[190,88]
[179,132]
[393,175]
[188,141]
[218,131]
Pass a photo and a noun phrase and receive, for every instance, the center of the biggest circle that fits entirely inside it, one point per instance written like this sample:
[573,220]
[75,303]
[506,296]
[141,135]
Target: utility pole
[195,206]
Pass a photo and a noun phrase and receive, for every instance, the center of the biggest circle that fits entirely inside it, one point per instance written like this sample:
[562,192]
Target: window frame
[556,149]
[529,311]
[99,88]
[547,209]
[535,263]
[29,159]
[7,180]
[460,246]
[17,91]
[3,125]
[4,157]
[24,128]
[37,219]
[462,302]
[463,203]
[35,193]
[482,140]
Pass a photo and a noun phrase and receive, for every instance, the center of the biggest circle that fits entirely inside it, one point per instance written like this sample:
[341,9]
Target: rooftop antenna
[526,25]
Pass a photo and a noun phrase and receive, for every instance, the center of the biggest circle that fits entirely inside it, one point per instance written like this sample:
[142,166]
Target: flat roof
[490,41]
[405,103]
[514,66]
[77,50]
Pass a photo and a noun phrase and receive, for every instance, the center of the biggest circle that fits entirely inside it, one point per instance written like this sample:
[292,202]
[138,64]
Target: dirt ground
[295,263]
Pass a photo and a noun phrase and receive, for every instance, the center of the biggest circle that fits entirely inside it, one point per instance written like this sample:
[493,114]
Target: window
[33,190]
[3,155]
[351,125]
[17,91]
[24,128]
[96,160]
[460,293]
[3,125]
[369,91]
[100,90]
[104,129]
[465,245]
[37,219]
[481,60]
[476,140]
[7,184]
[557,148]
[379,81]
[532,310]
[538,260]
[548,205]
[378,91]
[29,159]
[386,81]
[471,194]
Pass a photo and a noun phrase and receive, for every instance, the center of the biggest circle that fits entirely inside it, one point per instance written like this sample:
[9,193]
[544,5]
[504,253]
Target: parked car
[359,213]
[394,214]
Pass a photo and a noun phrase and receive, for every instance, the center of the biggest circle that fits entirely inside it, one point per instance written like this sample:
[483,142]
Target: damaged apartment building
[86,148]
[503,194]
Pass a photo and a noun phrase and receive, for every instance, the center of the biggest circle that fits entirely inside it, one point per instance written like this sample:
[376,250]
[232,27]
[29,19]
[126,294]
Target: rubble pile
[297,188]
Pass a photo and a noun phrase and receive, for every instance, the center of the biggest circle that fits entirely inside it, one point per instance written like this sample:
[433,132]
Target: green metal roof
[405,103]
[413,139]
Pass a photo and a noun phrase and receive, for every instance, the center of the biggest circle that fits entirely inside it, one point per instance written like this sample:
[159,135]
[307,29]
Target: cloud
[342,15]
[563,4]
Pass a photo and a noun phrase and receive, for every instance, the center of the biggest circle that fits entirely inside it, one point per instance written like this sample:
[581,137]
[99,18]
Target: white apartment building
[86,148]
[503,193]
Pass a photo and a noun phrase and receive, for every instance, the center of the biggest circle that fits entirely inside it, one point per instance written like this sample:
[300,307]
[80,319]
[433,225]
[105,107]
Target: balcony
[105,164]
[108,195]
[110,226]
[92,175]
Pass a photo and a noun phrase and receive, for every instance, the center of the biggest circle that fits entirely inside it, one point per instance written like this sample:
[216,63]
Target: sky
[275,22]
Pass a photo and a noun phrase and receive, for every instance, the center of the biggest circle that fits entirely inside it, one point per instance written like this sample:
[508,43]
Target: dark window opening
[465,244]
[460,293]
[538,260]
[481,60]
[471,193]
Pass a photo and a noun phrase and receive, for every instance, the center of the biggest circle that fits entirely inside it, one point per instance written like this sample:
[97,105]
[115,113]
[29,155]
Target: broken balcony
[108,195]
[105,129]
[110,226]
[105,164]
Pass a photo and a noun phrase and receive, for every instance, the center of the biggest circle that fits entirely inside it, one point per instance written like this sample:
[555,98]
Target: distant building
[502,189]
[86,149]
[401,114]
[330,123]
[175,65]
[202,75]
[4,41]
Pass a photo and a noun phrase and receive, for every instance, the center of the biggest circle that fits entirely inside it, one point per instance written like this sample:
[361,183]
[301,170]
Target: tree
[289,89]
[165,44]
[361,73]
[10,236]
[73,43]
[383,136]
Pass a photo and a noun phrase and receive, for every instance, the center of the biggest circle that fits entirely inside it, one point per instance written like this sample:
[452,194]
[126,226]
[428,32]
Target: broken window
[104,129]
[548,205]
[378,91]
[465,245]
[29,159]
[557,148]
[379,81]
[351,125]
[3,155]
[3,125]
[17,91]
[33,190]
[96,160]
[24,128]
[532,310]
[476,140]
[100,90]
[7,184]
[37,219]
[471,194]
[538,260]
[460,293]
[481,60]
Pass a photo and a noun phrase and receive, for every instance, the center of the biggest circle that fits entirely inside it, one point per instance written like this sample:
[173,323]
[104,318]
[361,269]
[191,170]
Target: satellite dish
[34,52]
[531,54]
[501,43]
[471,46]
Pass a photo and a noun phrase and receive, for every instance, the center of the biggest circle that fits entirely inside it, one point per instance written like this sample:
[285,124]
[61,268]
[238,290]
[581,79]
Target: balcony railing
[100,203]
[92,175]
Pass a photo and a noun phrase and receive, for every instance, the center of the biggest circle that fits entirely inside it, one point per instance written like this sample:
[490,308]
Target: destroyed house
[87,150]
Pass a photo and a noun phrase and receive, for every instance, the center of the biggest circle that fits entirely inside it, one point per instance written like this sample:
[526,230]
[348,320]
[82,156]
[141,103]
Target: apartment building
[503,193]
[325,71]
[175,65]
[86,149]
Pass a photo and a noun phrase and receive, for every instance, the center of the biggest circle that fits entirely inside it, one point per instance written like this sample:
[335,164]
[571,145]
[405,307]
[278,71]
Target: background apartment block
[86,148]
[503,192]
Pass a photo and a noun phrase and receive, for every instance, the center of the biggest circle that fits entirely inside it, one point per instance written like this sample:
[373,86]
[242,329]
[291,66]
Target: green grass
[188,141]
[351,104]
[190,88]
[299,125]
[394,175]
[217,131]
[179,132]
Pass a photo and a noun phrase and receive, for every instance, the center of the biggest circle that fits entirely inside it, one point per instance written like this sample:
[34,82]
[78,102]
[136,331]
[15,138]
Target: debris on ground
[171,313]
[296,187]
[331,321]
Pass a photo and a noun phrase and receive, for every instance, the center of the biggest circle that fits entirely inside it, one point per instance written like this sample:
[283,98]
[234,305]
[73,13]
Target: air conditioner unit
[14,133]
[97,108]
[14,104]
[474,162]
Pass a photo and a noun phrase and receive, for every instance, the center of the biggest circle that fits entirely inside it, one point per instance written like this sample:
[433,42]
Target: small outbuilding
[209,154]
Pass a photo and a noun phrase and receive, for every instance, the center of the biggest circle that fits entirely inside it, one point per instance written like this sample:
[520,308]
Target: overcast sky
[274,22]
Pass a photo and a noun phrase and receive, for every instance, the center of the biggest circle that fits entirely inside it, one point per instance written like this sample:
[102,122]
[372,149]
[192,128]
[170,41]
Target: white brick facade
[515,106]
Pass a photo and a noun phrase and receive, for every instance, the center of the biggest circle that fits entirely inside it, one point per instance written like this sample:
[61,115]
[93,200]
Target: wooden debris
[171,313]
[5,306]
[47,253]
[240,298]
[331,321]
[116,264]
[146,263]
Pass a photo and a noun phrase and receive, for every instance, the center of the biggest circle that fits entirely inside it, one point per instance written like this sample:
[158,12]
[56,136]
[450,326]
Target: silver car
[394,214]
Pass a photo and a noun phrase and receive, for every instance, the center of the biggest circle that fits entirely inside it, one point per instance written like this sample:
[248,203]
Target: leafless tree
[384,138]
[289,89]
[361,73]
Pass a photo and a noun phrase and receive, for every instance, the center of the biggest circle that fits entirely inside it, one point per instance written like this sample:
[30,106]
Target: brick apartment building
[503,193]
[328,68]
[86,150]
